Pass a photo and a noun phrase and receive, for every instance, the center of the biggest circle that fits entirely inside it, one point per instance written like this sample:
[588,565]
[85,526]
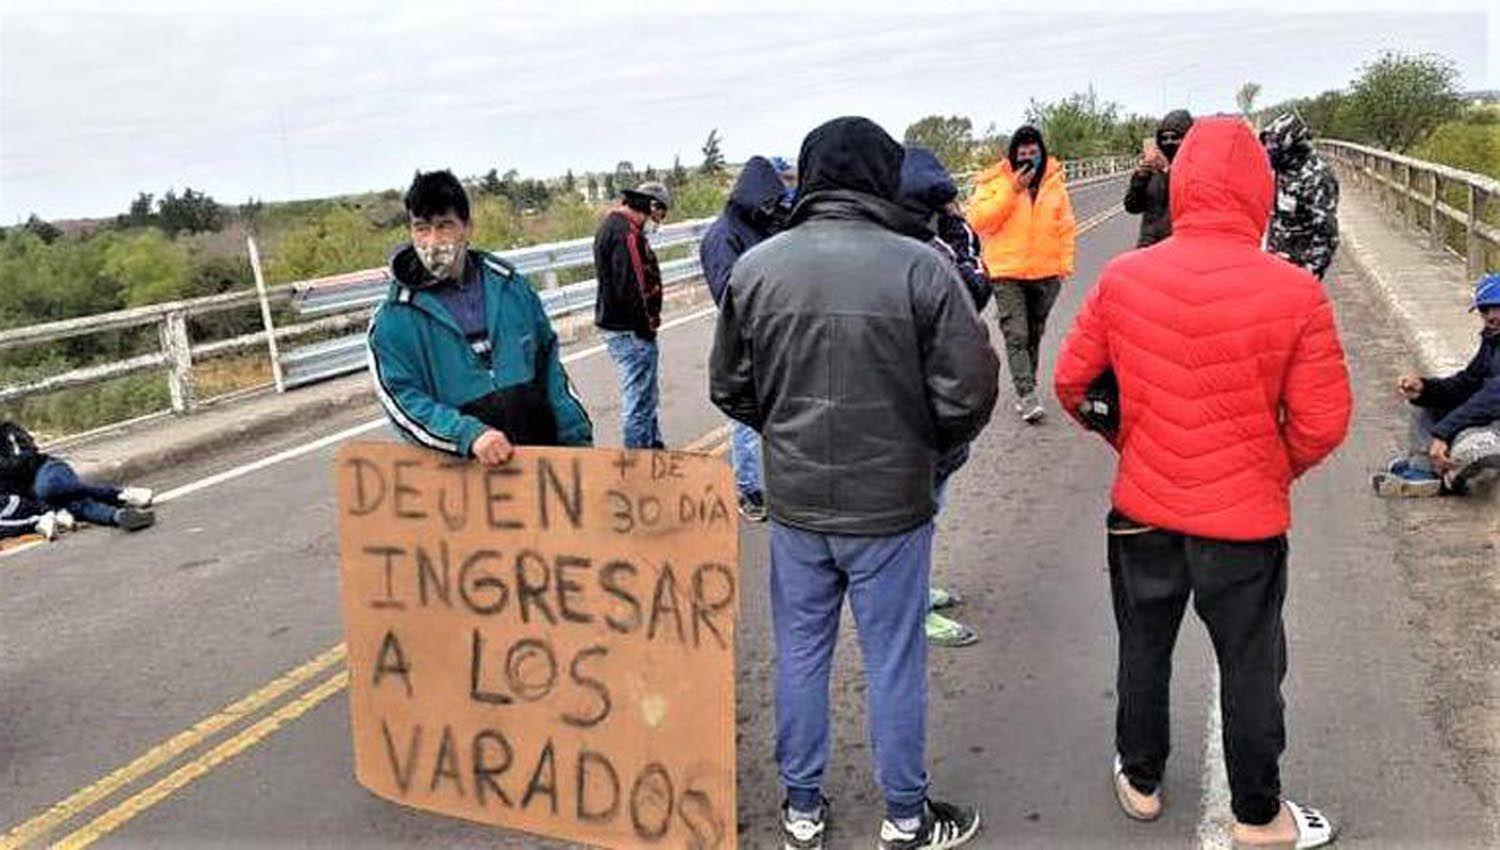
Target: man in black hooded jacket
[1147,196]
[856,352]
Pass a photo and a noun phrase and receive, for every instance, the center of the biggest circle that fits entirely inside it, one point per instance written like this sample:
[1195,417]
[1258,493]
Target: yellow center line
[713,443]
[159,755]
[200,766]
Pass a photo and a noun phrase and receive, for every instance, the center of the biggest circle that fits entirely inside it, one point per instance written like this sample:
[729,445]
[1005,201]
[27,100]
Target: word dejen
[547,645]
[501,498]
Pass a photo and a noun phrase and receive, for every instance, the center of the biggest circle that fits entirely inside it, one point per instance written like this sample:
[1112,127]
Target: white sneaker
[47,526]
[136,497]
[1030,409]
[65,521]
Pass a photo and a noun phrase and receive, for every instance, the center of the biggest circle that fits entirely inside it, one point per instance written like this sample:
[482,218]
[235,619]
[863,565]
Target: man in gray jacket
[856,352]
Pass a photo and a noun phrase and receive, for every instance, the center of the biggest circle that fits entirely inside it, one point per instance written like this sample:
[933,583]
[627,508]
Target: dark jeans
[60,487]
[1023,307]
[1237,589]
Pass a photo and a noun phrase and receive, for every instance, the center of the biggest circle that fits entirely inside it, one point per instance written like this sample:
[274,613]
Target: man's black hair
[435,193]
[636,201]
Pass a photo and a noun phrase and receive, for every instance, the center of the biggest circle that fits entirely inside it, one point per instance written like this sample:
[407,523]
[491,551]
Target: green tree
[570,184]
[1076,127]
[44,230]
[593,184]
[678,176]
[625,176]
[951,139]
[140,214]
[1245,98]
[1469,146]
[702,196]
[1399,100]
[193,212]
[149,267]
[713,154]
[338,240]
[490,183]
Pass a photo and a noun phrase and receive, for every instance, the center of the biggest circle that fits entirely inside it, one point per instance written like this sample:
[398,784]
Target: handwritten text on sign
[547,646]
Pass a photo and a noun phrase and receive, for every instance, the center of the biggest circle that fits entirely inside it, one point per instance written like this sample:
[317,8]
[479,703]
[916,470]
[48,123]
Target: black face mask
[1169,149]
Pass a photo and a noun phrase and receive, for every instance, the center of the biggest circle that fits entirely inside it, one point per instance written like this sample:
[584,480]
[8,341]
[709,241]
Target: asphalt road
[115,644]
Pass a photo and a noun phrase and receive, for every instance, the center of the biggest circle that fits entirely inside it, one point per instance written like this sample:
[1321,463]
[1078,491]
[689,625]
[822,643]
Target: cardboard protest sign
[548,645]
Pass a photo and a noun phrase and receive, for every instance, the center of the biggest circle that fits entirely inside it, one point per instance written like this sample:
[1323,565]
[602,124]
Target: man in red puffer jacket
[1232,384]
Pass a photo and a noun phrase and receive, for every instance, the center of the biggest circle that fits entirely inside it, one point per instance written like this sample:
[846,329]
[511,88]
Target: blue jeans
[60,487]
[636,360]
[886,581]
[744,454]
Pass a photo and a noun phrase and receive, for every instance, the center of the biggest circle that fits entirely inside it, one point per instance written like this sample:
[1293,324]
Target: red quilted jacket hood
[1222,181]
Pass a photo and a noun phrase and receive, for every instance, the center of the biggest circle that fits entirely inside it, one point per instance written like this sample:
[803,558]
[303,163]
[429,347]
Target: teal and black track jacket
[442,393]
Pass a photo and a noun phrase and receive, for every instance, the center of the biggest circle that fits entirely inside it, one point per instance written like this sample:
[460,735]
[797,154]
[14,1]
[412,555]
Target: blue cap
[781,165]
[1487,292]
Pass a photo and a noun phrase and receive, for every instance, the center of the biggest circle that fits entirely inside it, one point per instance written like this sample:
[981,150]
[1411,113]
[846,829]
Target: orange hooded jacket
[1023,238]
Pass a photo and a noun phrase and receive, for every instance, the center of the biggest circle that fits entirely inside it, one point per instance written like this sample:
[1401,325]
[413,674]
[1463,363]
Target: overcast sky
[102,100]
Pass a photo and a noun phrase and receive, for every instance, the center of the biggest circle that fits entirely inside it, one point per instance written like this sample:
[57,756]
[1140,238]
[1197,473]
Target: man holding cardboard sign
[855,350]
[464,358]
[545,645]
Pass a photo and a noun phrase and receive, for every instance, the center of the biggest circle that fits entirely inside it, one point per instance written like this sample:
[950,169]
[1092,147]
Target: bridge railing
[1457,209]
[333,312]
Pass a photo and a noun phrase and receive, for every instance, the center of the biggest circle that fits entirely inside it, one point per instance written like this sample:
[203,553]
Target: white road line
[1213,829]
[331,439]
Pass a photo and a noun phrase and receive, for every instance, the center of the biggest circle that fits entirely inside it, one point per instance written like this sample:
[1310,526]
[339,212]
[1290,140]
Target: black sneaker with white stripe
[803,833]
[944,825]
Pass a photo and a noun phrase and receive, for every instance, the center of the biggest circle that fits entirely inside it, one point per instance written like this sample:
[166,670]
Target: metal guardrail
[341,304]
[1422,190]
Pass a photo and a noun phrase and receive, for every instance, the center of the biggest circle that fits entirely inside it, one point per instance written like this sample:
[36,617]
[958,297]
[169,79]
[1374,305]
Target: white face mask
[651,226]
[441,258]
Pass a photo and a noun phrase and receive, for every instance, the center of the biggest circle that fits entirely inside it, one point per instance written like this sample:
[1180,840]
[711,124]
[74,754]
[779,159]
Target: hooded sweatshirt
[1028,235]
[851,347]
[926,190]
[750,216]
[1231,375]
[1148,192]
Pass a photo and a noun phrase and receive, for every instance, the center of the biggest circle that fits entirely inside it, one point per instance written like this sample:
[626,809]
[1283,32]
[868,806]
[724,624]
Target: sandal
[1123,789]
[1313,830]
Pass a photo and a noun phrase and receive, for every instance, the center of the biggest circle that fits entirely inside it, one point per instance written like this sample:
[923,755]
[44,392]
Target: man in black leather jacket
[856,352]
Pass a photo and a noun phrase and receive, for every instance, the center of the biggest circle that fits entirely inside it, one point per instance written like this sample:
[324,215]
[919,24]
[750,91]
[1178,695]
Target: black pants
[1022,307]
[1238,590]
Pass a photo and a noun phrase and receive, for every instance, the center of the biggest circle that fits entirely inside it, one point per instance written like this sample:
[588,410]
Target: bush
[1471,147]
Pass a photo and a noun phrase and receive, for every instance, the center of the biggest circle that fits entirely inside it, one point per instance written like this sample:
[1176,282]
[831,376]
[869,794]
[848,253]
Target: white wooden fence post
[179,352]
[265,315]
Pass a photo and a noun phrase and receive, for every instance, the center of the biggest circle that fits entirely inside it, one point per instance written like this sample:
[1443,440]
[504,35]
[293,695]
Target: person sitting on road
[463,356]
[20,516]
[34,476]
[1231,385]
[1455,429]
[752,214]
[928,191]
[856,353]
[1020,208]
[1147,196]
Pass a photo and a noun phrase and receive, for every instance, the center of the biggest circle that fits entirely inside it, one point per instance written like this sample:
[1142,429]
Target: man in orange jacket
[1021,211]
[1231,385]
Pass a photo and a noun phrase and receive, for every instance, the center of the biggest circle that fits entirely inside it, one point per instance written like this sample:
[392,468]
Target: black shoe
[944,825]
[802,833]
[753,507]
[134,519]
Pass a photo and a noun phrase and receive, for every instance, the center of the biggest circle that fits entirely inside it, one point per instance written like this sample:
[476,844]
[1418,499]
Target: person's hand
[1409,386]
[1438,451]
[493,448]
[1022,177]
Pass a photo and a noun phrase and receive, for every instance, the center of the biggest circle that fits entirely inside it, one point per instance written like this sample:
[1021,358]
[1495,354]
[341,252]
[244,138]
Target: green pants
[1023,306]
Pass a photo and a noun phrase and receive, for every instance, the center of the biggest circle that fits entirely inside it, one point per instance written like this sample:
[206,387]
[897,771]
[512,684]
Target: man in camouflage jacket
[1305,225]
